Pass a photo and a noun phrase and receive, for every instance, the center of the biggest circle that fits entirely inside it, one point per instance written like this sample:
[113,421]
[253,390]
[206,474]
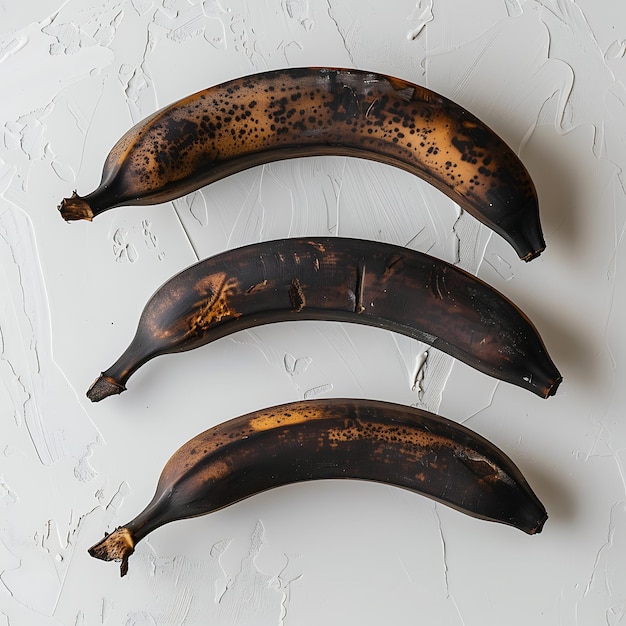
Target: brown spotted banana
[329,439]
[302,112]
[338,279]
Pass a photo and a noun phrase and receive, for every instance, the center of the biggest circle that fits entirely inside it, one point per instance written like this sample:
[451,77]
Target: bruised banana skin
[301,112]
[325,439]
[338,279]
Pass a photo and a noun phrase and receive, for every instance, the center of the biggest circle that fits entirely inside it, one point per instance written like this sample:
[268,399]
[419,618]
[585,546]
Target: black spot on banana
[341,279]
[325,439]
[314,111]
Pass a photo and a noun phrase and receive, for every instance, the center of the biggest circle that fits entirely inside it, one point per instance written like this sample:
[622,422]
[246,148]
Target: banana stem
[117,546]
[75,208]
[103,387]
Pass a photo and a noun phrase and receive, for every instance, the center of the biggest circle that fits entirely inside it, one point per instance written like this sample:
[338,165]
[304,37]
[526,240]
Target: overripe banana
[342,279]
[319,111]
[325,439]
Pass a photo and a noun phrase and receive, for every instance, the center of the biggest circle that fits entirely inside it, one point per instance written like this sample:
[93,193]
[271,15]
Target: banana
[338,438]
[341,279]
[301,112]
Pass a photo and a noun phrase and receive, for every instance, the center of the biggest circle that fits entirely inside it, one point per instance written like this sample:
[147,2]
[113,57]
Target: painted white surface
[549,76]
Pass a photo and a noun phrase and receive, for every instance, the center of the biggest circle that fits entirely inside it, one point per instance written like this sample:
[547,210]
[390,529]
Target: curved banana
[319,111]
[334,278]
[322,439]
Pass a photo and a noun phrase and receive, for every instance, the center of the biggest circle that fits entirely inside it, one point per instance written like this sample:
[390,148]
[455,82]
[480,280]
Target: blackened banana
[334,278]
[315,111]
[325,439]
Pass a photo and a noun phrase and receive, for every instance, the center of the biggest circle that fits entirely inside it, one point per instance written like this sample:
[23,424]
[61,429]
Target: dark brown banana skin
[341,279]
[301,112]
[337,438]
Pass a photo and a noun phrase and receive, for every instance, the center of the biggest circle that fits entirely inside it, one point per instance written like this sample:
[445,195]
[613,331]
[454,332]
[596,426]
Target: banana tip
[533,254]
[551,390]
[103,387]
[538,527]
[522,229]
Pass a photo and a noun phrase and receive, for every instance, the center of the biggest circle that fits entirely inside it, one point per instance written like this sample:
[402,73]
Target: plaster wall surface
[549,76]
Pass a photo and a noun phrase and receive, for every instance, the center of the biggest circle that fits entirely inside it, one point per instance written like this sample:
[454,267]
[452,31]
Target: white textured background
[549,76]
